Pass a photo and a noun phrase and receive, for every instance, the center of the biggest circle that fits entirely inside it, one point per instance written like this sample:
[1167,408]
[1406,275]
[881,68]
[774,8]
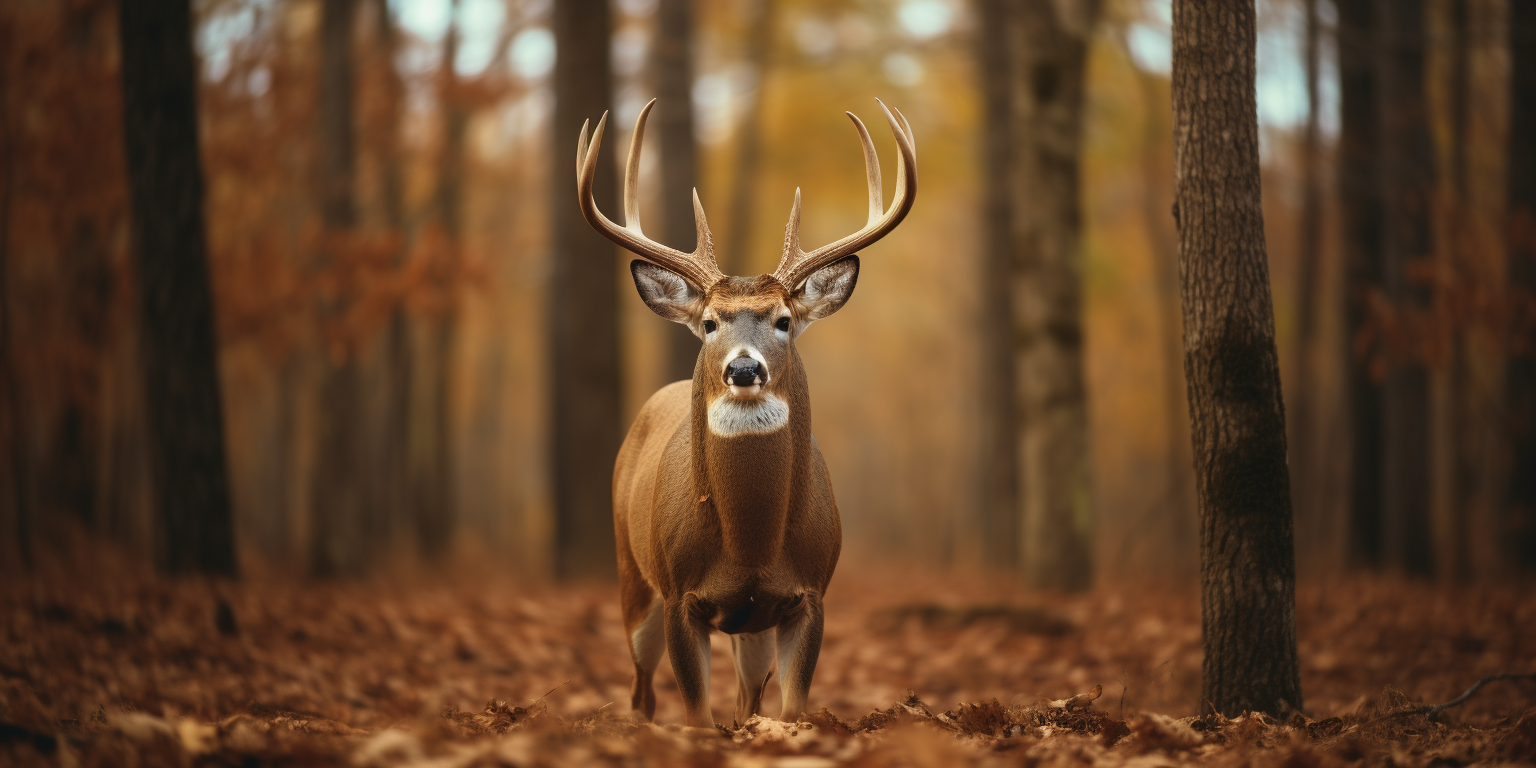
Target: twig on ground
[1433,710]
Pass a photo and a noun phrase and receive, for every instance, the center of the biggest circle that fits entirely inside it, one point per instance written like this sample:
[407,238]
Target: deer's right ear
[667,293]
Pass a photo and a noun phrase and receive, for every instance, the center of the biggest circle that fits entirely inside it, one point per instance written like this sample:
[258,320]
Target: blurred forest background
[379,182]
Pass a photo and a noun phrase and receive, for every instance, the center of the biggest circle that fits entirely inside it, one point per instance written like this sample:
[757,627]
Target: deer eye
[709,326]
[782,324]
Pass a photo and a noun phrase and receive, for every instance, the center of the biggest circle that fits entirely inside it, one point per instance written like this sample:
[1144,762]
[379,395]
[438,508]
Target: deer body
[724,516]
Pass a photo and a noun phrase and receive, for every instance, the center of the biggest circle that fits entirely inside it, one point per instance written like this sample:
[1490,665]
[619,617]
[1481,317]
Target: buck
[722,504]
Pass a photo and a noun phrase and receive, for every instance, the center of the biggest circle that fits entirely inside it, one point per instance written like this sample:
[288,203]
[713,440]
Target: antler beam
[796,265]
[698,267]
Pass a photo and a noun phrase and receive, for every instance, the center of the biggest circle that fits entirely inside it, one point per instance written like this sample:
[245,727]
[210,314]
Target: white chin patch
[730,416]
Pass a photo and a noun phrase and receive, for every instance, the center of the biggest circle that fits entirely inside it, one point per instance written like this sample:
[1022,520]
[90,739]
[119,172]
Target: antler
[698,267]
[796,265]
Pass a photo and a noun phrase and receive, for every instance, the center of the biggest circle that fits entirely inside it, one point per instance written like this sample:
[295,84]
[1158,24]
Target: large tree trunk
[1360,203]
[1520,377]
[341,530]
[1247,568]
[1407,178]
[186,420]
[583,321]
[672,66]
[997,454]
[1050,42]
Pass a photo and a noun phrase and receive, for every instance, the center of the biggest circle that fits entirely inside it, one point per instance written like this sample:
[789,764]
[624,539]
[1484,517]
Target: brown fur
[736,534]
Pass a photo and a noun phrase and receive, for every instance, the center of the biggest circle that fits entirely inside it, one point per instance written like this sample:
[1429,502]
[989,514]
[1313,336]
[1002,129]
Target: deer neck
[747,463]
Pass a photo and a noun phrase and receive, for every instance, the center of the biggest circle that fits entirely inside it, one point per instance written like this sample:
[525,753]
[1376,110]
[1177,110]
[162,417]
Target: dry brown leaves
[120,669]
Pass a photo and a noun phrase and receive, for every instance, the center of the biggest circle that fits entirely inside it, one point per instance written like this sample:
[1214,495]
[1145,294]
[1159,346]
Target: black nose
[744,372]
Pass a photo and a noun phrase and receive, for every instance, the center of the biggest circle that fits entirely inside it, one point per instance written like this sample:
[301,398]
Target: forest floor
[105,665]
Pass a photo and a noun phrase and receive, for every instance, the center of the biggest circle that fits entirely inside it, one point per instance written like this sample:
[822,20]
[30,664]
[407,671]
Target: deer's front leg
[799,641]
[688,649]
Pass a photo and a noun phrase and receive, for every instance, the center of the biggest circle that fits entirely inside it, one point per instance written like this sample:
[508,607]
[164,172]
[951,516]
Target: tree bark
[997,457]
[672,66]
[584,324]
[1520,376]
[186,420]
[1360,204]
[341,529]
[1247,568]
[1407,178]
[16,477]
[1050,43]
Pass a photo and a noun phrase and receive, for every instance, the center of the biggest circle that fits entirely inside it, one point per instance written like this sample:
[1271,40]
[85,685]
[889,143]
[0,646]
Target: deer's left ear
[827,289]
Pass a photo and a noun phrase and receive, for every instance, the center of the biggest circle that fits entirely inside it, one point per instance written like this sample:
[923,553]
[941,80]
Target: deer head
[748,325]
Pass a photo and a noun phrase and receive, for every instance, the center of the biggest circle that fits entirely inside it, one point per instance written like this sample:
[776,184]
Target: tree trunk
[1305,465]
[1247,568]
[736,257]
[1407,178]
[1520,376]
[1178,527]
[186,420]
[14,476]
[431,454]
[997,457]
[672,66]
[1048,74]
[341,529]
[1360,204]
[584,324]
[388,418]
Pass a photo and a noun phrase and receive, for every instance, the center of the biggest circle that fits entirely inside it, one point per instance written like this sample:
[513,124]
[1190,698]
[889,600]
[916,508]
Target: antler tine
[698,267]
[871,169]
[632,172]
[796,265]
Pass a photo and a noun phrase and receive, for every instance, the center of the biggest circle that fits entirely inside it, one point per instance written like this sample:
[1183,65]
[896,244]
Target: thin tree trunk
[1156,179]
[1520,376]
[186,419]
[390,485]
[1407,177]
[431,454]
[1360,203]
[1049,71]
[584,323]
[18,516]
[1247,568]
[997,455]
[736,259]
[1306,469]
[339,515]
[672,66]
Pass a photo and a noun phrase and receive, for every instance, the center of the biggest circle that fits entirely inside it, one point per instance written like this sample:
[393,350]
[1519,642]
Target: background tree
[997,454]
[1520,378]
[1360,204]
[584,324]
[186,421]
[1406,173]
[340,516]
[1305,466]
[672,66]
[1247,567]
[1049,43]
[735,258]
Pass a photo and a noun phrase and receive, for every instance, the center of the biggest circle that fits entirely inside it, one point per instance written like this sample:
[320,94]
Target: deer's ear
[667,293]
[827,289]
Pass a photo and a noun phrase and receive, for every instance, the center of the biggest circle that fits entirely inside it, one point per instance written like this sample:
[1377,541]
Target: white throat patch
[730,416]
